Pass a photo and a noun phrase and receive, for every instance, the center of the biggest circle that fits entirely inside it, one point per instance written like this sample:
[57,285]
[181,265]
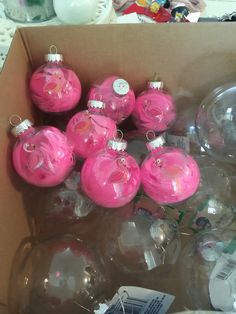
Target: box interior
[190,58]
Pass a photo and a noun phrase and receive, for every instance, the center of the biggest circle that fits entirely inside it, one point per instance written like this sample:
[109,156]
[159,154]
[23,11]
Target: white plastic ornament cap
[53,57]
[21,127]
[117,144]
[156,85]
[121,87]
[157,142]
[96,104]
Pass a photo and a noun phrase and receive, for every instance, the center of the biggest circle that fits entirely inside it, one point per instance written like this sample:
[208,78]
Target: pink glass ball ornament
[154,109]
[168,174]
[89,132]
[117,95]
[141,239]
[41,156]
[54,87]
[60,275]
[111,178]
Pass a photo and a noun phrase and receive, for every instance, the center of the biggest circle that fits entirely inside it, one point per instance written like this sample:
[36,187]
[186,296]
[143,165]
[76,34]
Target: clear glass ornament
[198,260]
[65,207]
[216,123]
[141,239]
[214,202]
[60,276]
[183,132]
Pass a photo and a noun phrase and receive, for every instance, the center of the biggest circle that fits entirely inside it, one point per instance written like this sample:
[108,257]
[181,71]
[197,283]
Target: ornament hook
[119,135]
[53,49]
[150,135]
[15,120]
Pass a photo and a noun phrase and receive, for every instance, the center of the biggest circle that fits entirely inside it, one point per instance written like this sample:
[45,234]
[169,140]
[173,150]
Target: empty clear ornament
[214,202]
[141,239]
[183,132]
[66,205]
[216,123]
[59,276]
[197,263]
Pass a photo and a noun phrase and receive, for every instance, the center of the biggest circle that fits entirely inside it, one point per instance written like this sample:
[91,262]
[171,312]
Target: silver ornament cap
[53,57]
[156,85]
[21,127]
[121,87]
[117,144]
[96,104]
[157,142]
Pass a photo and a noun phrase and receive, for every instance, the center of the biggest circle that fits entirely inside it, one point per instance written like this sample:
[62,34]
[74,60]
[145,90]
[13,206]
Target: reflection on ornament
[142,237]
[57,276]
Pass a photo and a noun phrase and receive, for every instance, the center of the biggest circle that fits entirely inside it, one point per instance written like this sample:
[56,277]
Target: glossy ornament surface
[216,123]
[54,87]
[58,276]
[198,260]
[111,178]
[169,175]
[41,156]
[141,238]
[89,133]
[154,109]
[183,133]
[116,94]
[214,201]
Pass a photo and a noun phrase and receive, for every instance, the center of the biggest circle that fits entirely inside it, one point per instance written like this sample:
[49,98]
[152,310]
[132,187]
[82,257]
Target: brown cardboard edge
[13,100]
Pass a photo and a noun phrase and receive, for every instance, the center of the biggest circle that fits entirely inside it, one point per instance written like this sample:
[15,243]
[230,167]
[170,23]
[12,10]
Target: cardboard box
[188,57]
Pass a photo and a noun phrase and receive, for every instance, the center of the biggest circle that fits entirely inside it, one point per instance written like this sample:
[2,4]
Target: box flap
[13,100]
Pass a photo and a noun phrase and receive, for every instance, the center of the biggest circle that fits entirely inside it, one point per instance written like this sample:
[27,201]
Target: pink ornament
[89,132]
[111,178]
[116,94]
[41,156]
[154,109]
[55,88]
[169,175]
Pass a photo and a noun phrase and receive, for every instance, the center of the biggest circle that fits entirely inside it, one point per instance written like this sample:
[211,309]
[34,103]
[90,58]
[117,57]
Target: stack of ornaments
[161,11]
[111,201]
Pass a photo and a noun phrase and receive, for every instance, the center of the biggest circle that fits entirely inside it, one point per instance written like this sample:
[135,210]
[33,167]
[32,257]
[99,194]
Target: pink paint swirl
[117,106]
[110,178]
[55,88]
[154,110]
[43,157]
[89,133]
[169,175]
